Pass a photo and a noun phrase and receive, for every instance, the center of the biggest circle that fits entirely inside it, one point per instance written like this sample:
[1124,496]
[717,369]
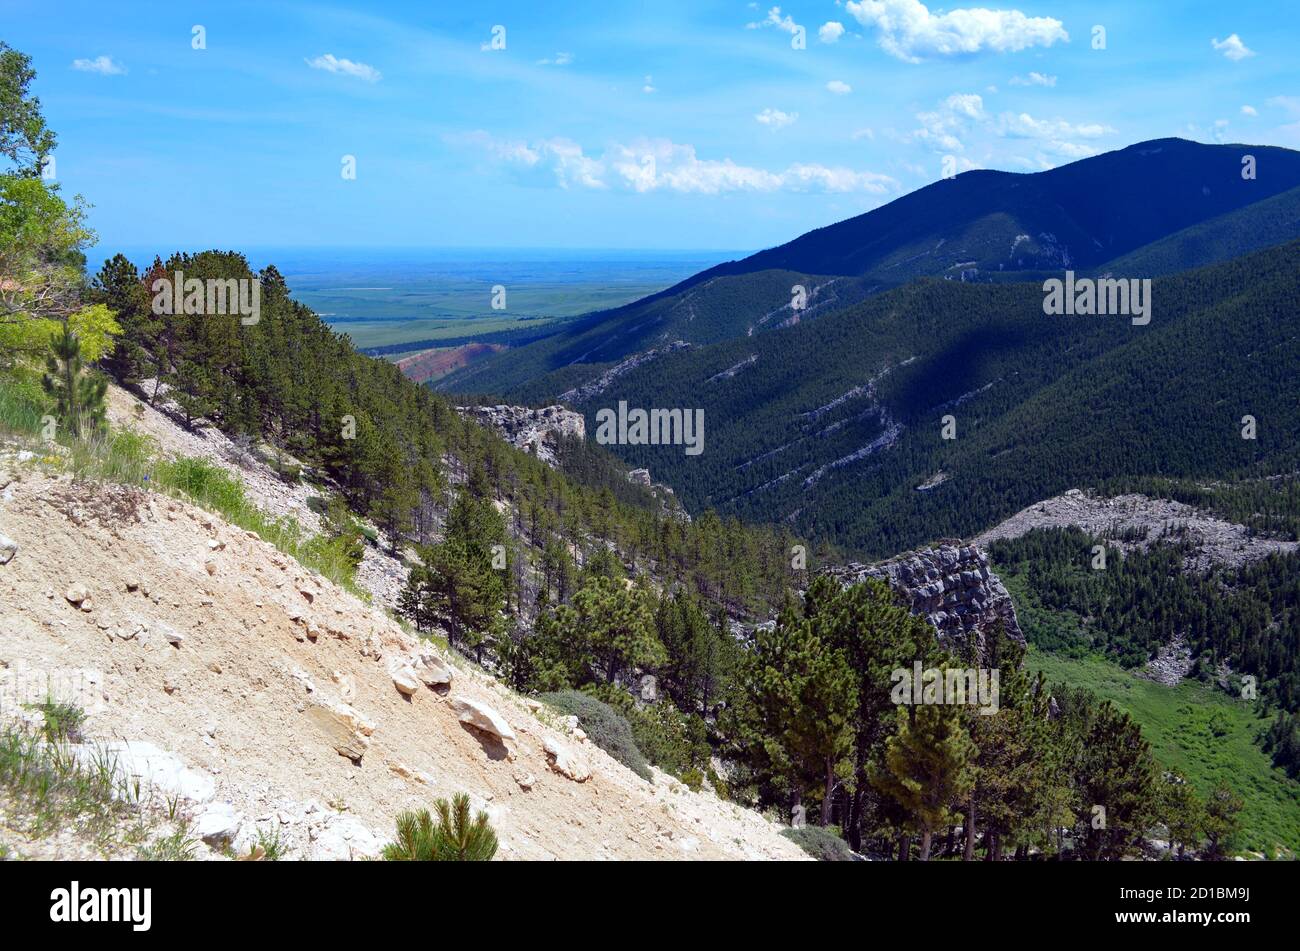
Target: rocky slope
[267,700]
[1138,521]
[951,586]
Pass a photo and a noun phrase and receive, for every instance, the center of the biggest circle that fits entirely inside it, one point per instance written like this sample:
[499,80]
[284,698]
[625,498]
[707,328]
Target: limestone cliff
[537,431]
[950,585]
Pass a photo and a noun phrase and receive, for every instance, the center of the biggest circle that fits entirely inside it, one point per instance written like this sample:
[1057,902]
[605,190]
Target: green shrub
[693,779]
[604,726]
[454,839]
[821,843]
[63,721]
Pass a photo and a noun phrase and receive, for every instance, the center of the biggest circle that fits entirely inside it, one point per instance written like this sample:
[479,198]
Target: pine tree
[928,766]
[78,396]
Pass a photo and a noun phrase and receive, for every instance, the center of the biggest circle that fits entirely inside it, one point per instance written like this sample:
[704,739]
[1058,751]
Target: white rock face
[218,825]
[342,838]
[153,771]
[8,548]
[565,761]
[482,717]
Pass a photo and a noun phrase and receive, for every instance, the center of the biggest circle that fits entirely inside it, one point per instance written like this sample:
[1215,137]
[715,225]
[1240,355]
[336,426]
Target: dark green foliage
[454,838]
[1282,740]
[604,726]
[457,585]
[821,843]
[78,395]
[24,139]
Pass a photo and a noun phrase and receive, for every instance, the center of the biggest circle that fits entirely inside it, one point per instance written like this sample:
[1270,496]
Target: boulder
[404,678]
[218,825]
[482,717]
[8,548]
[76,594]
[566,762]
[432,670]
[345,729]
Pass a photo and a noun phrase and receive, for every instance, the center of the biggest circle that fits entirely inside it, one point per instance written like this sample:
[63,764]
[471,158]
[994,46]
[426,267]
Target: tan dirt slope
[276,667]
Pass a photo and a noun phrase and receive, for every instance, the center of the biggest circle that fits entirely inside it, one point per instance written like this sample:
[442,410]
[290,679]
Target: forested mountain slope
[837,425]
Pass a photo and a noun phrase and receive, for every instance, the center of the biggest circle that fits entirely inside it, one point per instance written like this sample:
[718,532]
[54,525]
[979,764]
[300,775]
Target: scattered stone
[526,781]
[77,594]
[404,678]
[8,548]
[218,825]
[432,670]
[345,729]
[565,762]
[482,717]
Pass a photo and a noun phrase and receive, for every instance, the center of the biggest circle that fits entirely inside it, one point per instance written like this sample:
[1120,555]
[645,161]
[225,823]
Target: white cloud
[649,165]
[560,59]
[103,65]
[839,87]
[830,31]
[1232,47]
[1034,79]
[332,64]
[946,129]
[1249,111]
[909,31]
[776,119]
[940,129]
[649,86]
[775,19]
[1024,126]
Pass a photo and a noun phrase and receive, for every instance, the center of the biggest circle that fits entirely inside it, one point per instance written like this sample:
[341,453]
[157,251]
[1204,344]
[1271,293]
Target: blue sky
[659,124]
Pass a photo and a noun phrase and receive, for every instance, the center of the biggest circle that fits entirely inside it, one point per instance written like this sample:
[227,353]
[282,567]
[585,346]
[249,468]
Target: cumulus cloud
[776,119]
[649,86]
[909,31]
[1232,47]
[839,87]
[104,65]
[941,128]
[650,165]
[332,64]
[1033,79]
[946,128]
[830,31]
[1249,111]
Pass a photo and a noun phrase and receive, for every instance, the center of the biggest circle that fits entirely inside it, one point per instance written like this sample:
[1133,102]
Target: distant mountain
[1263,224]
[979,226]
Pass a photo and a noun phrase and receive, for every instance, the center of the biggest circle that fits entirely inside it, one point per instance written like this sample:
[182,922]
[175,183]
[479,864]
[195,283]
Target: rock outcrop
[537,431]
[951,586]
